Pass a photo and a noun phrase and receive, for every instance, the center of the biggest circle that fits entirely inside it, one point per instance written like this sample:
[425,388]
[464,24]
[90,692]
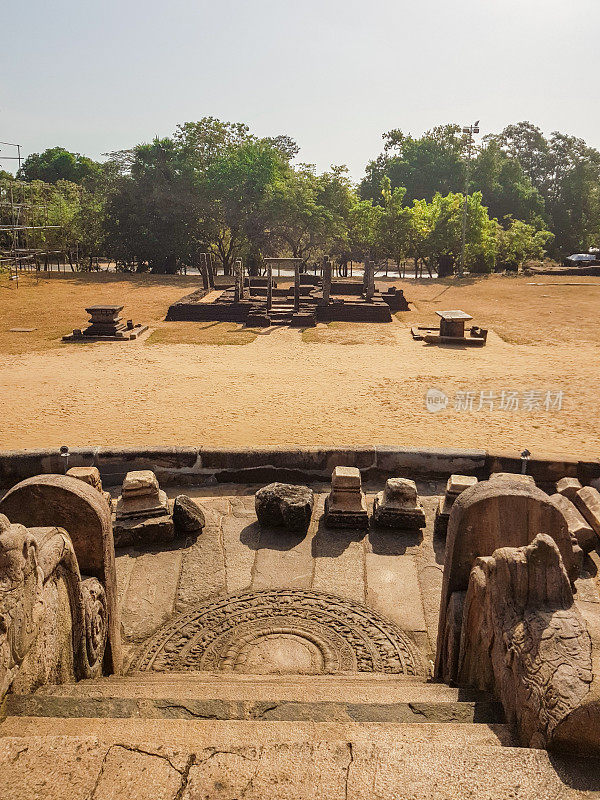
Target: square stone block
[142,505]
[140,481]
[458,483]
[346,478]
[578,527]
[568,487]
[89,475]
[345,514]
[153,530]
[587,501]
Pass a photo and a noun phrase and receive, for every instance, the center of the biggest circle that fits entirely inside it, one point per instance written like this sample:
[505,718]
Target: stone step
[170,707]
[134,759]
[352,688]
[305,698]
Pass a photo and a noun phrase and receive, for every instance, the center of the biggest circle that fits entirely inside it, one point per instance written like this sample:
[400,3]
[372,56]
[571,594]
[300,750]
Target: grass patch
[212,333]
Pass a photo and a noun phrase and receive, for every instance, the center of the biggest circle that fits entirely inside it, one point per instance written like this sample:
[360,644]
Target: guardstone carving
[34,564]
[524,639]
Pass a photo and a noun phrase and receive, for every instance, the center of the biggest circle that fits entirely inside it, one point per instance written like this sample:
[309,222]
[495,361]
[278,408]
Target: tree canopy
[214,185]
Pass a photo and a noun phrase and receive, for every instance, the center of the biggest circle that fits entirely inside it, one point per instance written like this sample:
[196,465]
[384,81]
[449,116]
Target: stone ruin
[106,326]
[518,630]
[260,302]
[451,330]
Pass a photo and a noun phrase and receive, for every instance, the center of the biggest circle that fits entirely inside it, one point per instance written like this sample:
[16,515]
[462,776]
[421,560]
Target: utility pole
[469,132]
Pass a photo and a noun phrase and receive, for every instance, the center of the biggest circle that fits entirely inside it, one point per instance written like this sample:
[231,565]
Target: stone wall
[205,465]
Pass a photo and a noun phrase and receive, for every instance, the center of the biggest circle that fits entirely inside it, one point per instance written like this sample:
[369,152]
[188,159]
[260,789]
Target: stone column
[237,286]
[327,268]
[243,292]
[297,287]
[204,272]
[269,287]
[211,270]
[370,279]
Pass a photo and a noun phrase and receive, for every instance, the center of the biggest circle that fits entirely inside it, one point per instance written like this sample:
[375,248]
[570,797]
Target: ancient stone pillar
[369,279]
[237,285]
[269,287]
[327,268]
[297,287]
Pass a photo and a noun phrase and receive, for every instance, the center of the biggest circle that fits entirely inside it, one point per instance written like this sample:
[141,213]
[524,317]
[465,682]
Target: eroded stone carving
[524,639]
[34,563]
[82,511]
[329,633]
[493,514]
[398,506]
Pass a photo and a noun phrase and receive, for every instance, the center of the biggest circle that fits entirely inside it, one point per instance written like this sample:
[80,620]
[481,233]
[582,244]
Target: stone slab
[393,590]
[587,501]
[240,542]
[203,566]
[568,487]
[144,532]
[283,559]
[149,599]
[167,759]
[339,565]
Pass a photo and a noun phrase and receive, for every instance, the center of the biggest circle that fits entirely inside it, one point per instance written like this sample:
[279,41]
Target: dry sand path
[282,390]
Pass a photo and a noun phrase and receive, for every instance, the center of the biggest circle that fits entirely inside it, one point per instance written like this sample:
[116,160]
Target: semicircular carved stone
[503,512]
[53,624]
[282,631]
[69,503]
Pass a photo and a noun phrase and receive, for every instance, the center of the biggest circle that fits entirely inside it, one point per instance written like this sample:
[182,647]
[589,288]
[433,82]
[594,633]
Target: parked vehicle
[582,260]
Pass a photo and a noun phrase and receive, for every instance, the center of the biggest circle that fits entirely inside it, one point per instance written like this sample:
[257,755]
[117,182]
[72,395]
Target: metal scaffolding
[24,224]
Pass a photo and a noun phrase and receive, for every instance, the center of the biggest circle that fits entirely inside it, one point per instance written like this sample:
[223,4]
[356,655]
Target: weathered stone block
[89,475]
[587,501]
[578,527]
[140,482]
[346,478]
[398,505]
[283,504]
[568,487]
[129,506]
[188,517]
[458,483]
[143,532]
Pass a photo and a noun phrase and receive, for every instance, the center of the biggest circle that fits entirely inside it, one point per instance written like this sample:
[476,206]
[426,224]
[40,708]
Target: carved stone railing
[509,621]
[53,621]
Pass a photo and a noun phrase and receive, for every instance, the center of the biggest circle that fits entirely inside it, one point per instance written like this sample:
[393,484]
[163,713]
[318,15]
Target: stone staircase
[227,736]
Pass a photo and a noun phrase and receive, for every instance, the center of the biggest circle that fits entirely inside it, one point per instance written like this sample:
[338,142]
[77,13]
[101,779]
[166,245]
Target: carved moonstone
[398,506]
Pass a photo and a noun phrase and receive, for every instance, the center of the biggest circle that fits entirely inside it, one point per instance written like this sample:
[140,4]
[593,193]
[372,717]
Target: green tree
[56,164]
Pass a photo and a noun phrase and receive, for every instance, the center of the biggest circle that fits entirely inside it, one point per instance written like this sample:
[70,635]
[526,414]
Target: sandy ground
[333,385]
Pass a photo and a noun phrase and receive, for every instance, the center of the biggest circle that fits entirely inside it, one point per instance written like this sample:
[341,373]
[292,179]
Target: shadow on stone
[332,542]
[393,542]
[257,538]
[580,774]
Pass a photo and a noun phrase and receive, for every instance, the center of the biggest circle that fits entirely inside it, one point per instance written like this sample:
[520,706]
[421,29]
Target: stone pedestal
[345,505]
[398,506]
[455,486]
[142,514]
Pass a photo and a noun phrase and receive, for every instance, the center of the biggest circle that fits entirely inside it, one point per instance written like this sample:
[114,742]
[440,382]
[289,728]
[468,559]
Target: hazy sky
[101,75]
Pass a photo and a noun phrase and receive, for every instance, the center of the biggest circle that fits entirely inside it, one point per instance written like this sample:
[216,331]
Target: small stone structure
[345,505]
[91,476]
[106,326]
[587,501]
[398,506]
[451,330]
[578,527]
[455,486]
[142,514]
[283,504]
